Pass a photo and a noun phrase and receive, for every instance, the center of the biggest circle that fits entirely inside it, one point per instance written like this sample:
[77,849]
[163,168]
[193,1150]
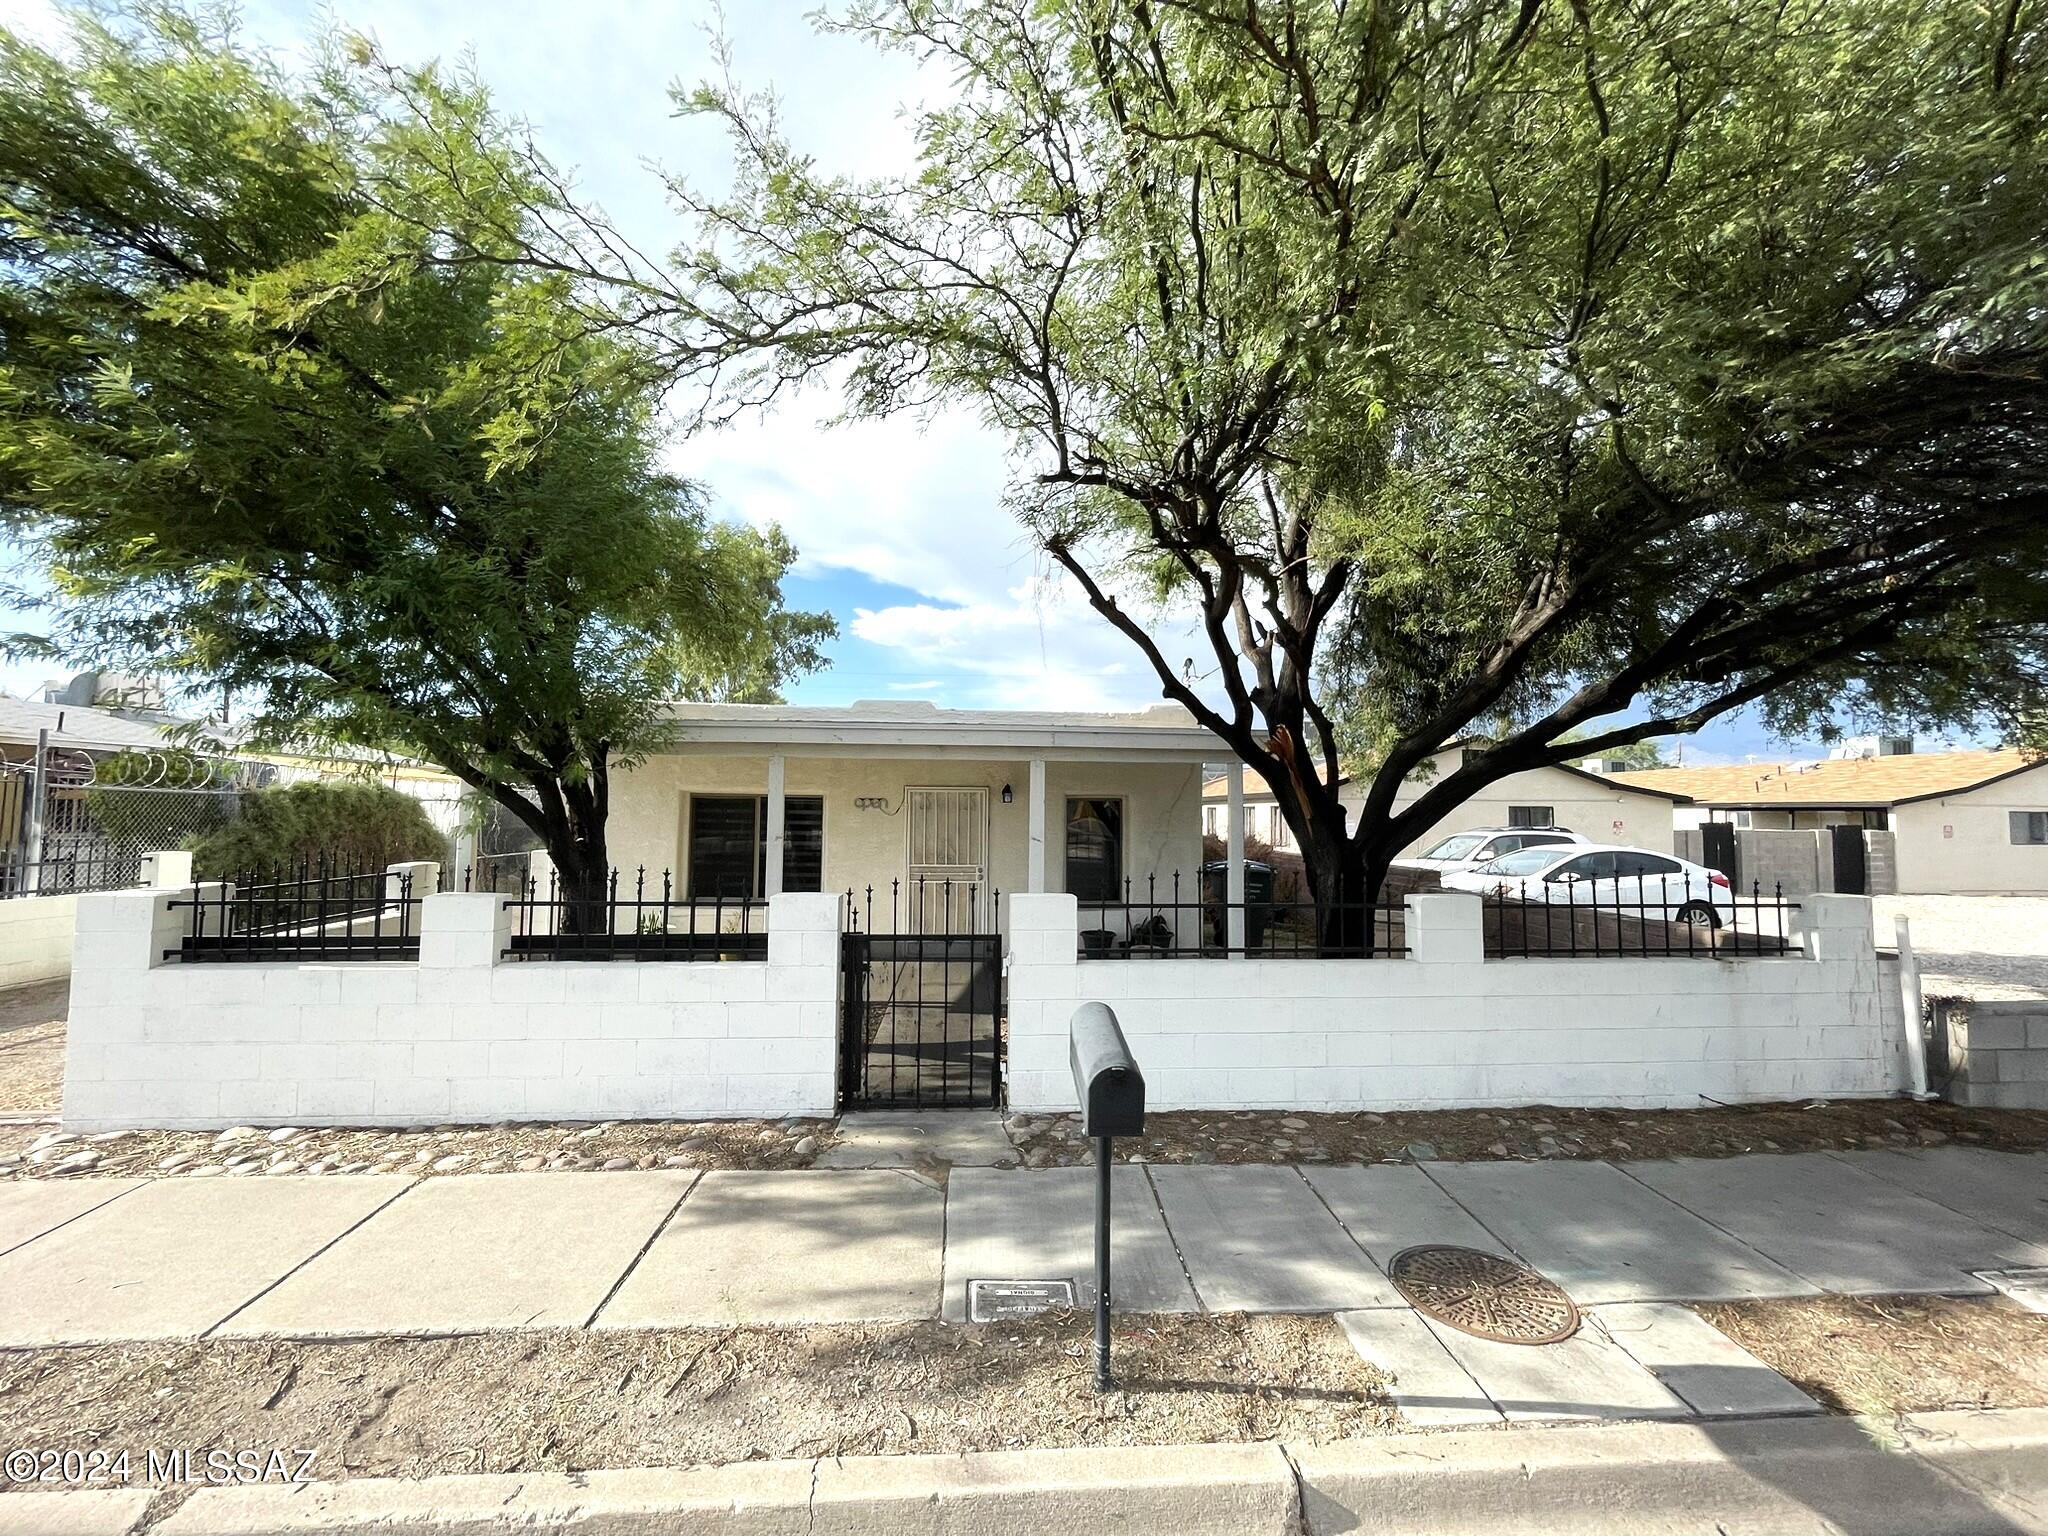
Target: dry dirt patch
[1897,1354]
[32,1047]
[565,1400]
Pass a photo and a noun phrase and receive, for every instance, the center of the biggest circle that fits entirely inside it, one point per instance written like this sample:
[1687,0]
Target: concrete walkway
[88,1260]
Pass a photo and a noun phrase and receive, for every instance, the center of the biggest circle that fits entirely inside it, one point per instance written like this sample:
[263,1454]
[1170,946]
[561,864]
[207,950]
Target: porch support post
[1233,887]
[774,831]
[1034,861]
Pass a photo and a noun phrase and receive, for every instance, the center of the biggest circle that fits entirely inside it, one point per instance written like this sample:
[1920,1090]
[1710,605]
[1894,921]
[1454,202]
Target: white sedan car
[1608,877]
[1482,845]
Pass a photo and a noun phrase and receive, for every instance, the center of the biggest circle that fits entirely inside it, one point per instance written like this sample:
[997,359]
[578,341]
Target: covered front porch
[920,817]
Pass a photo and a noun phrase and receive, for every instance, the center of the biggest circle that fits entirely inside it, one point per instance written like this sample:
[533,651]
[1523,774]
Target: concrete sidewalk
[84,1260]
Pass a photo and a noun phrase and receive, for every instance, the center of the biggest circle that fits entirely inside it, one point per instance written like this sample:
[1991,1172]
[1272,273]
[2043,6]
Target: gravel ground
[1882,1355]
[32,1047]
[1476,1135]
[1988,947]
[38,1152]
[1042,1141]
[568,1400]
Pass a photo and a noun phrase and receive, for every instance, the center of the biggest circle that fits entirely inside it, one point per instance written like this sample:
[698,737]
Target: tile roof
[1837,782]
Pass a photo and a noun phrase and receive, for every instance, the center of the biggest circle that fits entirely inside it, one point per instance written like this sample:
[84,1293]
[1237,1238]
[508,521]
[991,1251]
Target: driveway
[1988,947]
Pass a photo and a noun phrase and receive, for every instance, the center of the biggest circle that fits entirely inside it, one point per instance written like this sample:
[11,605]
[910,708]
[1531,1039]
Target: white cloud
[1036,646]
[913,504]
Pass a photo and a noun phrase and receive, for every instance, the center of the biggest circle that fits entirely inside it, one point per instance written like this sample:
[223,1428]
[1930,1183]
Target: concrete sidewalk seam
[1505,1246]
[632,1264]
[1706,1221]
[1302,1174]
[1960,1215]
[1180,1257]
[119,1194]
[381,1207]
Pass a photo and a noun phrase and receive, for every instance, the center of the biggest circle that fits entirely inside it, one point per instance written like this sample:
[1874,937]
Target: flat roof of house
[916,727]
[78,726]
[1848,783]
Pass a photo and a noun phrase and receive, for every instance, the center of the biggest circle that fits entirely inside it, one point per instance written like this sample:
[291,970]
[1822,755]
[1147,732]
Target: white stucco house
[1599,806]
[750,801]
[1960,823]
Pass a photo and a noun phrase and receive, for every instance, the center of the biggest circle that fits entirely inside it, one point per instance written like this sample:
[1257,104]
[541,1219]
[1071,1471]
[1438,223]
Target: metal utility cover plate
[1002,1301]
[1483,1294]
[2028,1287]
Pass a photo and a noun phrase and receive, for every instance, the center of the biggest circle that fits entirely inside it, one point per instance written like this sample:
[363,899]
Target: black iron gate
[921,998]
[1850,878]
[1720,849]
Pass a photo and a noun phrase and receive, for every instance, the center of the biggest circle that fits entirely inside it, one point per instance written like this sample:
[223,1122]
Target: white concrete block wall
[1445,1028]
[461,1036]
[35,938]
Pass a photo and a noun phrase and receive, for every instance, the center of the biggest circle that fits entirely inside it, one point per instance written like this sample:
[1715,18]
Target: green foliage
[1501,367]
[352,824]
[248,423]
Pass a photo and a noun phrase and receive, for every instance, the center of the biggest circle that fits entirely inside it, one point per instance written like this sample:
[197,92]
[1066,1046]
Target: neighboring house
[876,794]
[1963,823]
[1600,807]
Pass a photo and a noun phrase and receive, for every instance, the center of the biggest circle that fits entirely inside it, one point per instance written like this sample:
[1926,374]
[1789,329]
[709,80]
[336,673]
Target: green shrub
[362,825]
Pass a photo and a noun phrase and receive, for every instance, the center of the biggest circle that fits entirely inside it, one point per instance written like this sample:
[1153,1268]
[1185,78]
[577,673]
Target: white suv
[1482,845]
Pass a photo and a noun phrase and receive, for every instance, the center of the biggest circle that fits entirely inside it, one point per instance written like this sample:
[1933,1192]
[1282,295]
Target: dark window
[2030,827]
[1589,866]
[1532,816]
[803,842]
[1095,849]
[1629,865]
[1876,821]
[729,845]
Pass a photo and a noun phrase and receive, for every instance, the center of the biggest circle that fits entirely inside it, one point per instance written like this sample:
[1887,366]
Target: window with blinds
[729,845]
[1095,849]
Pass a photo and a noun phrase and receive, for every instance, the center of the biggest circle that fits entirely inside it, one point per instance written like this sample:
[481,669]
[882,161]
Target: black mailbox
[1107,1082]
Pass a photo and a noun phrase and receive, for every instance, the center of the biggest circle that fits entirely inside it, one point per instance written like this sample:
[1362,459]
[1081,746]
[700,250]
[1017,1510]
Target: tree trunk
[582,860]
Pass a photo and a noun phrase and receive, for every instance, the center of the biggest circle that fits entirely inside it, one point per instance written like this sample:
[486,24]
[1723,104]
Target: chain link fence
[73,821]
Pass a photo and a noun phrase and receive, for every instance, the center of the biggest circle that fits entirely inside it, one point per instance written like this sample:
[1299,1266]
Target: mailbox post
[1111,1091]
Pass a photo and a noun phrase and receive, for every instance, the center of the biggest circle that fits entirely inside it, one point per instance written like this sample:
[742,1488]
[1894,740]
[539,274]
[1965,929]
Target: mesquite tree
[1556,374]
[246,437]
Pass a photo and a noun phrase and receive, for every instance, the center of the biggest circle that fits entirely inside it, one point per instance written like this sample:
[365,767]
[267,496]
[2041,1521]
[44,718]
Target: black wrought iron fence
[1635,918]
[1173,919]
[640,919]
[315,910]
[914,907]
[70,872]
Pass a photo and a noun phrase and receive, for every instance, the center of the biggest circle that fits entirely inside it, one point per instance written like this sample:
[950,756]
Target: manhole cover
[1484,1295]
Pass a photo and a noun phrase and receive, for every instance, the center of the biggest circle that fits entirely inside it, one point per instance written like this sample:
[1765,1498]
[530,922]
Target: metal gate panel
[1850,879]
[921,1012]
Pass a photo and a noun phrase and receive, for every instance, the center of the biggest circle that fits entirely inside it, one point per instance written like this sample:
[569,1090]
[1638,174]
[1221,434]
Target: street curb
[1959,1472]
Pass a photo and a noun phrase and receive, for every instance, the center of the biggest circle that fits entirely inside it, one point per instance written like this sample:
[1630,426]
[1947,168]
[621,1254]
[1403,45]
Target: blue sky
[898,524]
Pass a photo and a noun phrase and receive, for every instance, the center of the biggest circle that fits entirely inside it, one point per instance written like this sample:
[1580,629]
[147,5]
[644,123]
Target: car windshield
[1456,847]
[1527,861]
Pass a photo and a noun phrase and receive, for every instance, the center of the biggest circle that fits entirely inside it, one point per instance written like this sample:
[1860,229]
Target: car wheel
[1698,913]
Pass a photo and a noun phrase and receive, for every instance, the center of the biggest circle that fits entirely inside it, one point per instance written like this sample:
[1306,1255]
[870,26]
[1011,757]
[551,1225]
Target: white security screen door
[948,843]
